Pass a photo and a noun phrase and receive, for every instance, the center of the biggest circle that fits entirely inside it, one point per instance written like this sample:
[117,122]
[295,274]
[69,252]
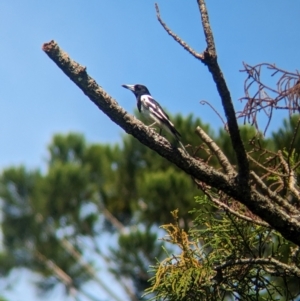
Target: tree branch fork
[259,204]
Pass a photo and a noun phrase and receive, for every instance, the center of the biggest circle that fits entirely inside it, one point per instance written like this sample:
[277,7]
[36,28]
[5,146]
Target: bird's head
[137,89]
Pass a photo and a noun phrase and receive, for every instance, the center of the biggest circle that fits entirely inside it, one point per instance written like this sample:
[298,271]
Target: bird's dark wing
[154,107]
[157,111]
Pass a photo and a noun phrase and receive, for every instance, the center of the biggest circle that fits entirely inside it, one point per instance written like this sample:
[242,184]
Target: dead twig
[284,94]
[217,151]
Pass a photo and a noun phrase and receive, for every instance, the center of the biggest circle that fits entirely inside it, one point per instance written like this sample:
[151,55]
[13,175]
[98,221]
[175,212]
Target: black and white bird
[151,109]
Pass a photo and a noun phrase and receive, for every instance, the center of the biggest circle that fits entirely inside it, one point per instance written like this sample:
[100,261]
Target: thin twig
[287,269]
[217,151]
[291,177]
[207,29]
[237,214]
[292,142]
[88,268]
[203,102]
[271,171]
[286,93]
[272,195]
[57,271]
[198,56]
[109,216]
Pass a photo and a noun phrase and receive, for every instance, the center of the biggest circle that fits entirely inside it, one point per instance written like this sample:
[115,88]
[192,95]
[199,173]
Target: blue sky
[122,42]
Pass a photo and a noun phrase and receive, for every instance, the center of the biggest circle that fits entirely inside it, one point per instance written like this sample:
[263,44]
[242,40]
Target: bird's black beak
[129,87]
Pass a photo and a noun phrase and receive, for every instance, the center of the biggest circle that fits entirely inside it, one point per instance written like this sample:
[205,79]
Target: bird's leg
[151,125]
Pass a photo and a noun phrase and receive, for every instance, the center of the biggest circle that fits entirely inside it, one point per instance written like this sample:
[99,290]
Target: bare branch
[209,58]
[57,271]
[273,195]
[204,102]
[88,268]
[62,276]
[207,29]
[270,171]
[260,97]
[293,185]
[291,177]
[217,151]
[291,147]
[198,56]
[260,205]
[234,212]
[286,269]
[110,217]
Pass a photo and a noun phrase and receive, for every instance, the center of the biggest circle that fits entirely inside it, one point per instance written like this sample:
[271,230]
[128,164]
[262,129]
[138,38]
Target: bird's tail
[182,146]
[172,130]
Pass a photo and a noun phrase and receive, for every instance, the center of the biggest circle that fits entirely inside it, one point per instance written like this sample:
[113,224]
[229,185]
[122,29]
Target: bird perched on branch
[150,108]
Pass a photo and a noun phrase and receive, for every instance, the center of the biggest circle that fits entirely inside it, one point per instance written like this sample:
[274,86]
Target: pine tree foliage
[46,213]
[226,257]
[84,194]
[87,194]
[229,253]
